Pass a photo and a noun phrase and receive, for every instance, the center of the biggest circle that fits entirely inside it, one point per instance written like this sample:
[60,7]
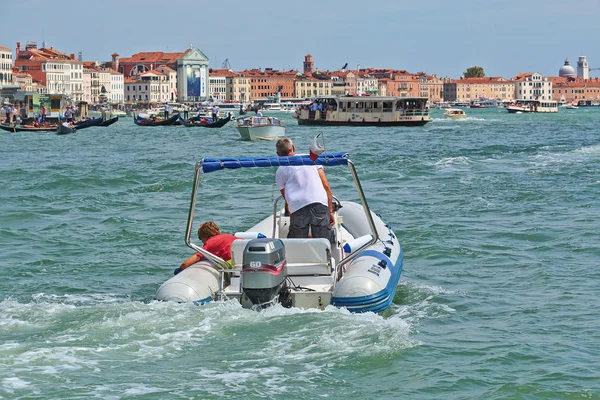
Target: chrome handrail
[365,205]
[210,257]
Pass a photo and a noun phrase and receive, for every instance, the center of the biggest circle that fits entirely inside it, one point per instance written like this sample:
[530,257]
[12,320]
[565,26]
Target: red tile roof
[5,48]
[153,57]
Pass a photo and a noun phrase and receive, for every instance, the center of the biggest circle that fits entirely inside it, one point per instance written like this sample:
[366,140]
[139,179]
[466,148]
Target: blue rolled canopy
[325,159]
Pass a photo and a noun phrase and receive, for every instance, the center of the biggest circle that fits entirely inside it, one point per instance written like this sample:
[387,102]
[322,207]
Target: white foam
[460,160]
[14,383]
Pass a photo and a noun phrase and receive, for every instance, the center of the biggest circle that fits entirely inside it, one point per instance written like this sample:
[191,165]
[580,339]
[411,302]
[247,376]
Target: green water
[497,214]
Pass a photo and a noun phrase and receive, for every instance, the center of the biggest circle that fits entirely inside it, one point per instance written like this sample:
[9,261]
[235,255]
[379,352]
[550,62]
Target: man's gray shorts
[315,216]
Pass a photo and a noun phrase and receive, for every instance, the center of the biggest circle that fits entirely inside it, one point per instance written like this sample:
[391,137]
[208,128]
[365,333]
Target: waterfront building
[403,84]
[87,85]
[104,80]
[148,87]
[60,73]
[307,86]
[6,66]
[192,76]
[575,90]
[191,68]
[366,84]
[431,87]
[117,87]
[238,88]
[343,83]
[171,87]
[532,86]
[473,89]
[92,94]
[270,82]
[217,84]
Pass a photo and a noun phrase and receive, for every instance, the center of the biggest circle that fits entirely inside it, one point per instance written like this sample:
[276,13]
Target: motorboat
[272,107]
[260,128]
[455,113]
[571,107]
[358,270]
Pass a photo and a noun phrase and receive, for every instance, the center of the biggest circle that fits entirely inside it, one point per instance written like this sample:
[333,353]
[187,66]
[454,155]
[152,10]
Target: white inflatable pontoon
[360,272]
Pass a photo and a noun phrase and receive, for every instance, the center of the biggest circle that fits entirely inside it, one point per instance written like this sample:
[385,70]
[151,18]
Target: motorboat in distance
[455,113]
[260,128]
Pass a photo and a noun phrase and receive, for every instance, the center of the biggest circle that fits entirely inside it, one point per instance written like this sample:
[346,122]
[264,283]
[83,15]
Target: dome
[566,70]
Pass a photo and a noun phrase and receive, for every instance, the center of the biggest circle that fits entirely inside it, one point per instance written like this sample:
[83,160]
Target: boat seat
[303,256]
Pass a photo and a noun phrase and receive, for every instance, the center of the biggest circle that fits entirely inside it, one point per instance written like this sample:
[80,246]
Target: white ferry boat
[365,111]
[531,106]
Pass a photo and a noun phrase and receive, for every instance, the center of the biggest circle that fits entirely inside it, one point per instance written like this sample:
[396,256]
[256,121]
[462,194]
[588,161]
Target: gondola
[109,122]
[86,123]
[217,124]
[159,122]
[27,128]
[64,129]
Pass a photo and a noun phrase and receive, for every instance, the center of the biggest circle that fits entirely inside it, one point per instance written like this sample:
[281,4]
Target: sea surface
[498,216]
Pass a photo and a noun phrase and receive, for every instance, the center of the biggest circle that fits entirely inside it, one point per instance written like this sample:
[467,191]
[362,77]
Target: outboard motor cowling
[264,271]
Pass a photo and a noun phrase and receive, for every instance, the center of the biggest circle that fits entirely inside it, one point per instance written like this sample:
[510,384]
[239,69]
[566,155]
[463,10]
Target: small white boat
[455,113]
[272,107]
[571,107]
[260,128]
[358,270]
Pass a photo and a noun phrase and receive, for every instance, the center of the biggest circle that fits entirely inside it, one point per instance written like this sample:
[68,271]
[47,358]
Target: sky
[443,37]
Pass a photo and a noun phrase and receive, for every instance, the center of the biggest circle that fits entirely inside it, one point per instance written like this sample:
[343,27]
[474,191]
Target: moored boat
[260,128]
[359,270]
[365,111]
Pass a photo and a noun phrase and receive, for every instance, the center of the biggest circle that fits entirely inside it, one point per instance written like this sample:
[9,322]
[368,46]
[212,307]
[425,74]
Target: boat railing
[415,112]
[210,257]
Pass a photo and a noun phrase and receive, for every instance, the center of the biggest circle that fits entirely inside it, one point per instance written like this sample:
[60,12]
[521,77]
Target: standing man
[8,110]
[166,111]
[215,112]
[44,111]
[307,196]
[69,114]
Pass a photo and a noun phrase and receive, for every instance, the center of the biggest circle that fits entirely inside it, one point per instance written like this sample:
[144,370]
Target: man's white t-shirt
[302,186]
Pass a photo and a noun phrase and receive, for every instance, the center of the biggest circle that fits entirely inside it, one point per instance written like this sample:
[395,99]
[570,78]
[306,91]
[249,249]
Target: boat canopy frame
[206,165]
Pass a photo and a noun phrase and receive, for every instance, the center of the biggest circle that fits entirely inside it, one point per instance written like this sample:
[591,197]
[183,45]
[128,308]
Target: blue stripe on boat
[378,301]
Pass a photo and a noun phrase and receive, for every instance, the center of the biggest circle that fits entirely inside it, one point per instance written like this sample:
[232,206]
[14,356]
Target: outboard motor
[264,272]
